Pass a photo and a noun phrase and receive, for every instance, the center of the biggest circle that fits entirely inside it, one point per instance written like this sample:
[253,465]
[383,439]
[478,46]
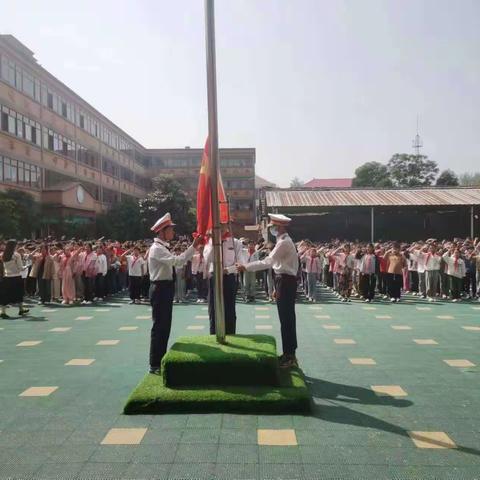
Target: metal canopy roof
[373,197]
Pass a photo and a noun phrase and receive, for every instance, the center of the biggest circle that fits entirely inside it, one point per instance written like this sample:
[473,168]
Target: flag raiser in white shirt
[283,258]
[135,265]
[161,260]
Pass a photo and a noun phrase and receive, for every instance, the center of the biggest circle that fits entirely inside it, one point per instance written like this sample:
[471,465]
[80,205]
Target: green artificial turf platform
[241,360]
[241,376]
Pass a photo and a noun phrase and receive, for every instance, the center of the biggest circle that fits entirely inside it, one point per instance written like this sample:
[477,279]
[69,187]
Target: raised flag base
[200,375]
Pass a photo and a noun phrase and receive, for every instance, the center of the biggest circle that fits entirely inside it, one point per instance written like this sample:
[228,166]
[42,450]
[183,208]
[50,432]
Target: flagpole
[213,139]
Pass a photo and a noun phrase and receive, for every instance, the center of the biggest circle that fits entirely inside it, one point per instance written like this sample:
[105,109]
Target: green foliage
[412,170]
[122,222]
[470,179]
[27,209]
[9,219]
[447,178]
[372,174]
[296,183]
[168,196]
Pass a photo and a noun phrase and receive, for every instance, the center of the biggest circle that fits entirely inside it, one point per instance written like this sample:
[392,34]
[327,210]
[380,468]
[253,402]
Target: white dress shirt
[232,253]
[14,267]
[135,265]
[419,257]
[161,261]
[283,258]
[455,267]
[101,264]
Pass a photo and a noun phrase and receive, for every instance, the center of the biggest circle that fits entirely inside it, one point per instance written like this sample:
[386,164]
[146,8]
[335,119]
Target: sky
[318,87]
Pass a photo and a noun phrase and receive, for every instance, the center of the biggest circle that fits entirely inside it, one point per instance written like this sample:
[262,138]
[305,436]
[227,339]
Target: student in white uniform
[135,264]
[251,255]
[160,265]
[232,253]
[284,261]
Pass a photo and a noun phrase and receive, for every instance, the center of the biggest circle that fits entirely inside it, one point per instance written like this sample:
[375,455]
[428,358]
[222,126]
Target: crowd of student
[430,269]
[77,272]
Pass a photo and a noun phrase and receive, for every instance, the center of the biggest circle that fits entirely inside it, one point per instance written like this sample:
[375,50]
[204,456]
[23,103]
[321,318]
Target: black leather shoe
[4,316]
[154,370]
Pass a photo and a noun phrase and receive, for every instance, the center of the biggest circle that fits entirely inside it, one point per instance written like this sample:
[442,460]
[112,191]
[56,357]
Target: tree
[168,196]
[296,183]
[412,170]
[28,210]
[9,219]
[447,178]
[122,222]
[372,174]
[470,179]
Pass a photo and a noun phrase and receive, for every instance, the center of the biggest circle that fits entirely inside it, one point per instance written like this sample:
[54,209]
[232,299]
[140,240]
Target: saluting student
[232,252]
[160,265]
[135,264]
[284,261]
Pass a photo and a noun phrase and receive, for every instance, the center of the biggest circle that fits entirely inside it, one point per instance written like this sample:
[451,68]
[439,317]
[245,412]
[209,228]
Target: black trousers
[88,284]
[229,297]
[135,287]
[161,300]
[394,284]
[286,290]
[367,285]
[202,288]
[45,290]
[382,283]
[413,279]
[100,286]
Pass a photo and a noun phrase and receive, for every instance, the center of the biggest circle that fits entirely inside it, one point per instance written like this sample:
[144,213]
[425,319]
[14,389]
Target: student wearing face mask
[284,261]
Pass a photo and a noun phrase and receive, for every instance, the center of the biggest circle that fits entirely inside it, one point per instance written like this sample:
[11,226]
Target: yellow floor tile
[276,437]
[315,307]
[362,361]
[29,343]
[102,310]
[331,327]
[83,318]
[263,327]
[128,329]
[324,317]
[460,363]
[202,317]
[60,329]
[143,317]
[392,390]
[80,362]
[445,317]
[196,327]
[401,327]
[262,316]
[369,308]
[38,392]
[124,436]
[108,342]
[425,341]
[471,328]
[344,341]
[431,440]
[422,309]
[48,310]
[262,308]
[383,317]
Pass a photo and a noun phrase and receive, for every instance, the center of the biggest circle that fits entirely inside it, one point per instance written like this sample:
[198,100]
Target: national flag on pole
[204,198]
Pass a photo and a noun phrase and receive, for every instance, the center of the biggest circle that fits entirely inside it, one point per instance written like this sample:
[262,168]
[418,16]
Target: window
[28,132]
[10,170]
[8,71]
[82,121]
[28,85]
[64,109]
[50,100]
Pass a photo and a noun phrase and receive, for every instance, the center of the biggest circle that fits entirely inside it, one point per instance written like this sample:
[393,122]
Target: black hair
[9,249]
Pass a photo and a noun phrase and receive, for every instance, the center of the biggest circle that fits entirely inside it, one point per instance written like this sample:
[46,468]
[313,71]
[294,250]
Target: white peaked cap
[278,219]
[165,221]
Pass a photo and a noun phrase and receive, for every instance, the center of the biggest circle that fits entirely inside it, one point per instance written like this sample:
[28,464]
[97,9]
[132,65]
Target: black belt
[285,275]
[161,282]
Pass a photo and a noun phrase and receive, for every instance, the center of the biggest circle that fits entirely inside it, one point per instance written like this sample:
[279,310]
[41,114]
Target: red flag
[204,199]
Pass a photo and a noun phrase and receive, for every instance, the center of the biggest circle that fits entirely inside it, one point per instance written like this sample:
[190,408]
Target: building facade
[51,140]
[238,173]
